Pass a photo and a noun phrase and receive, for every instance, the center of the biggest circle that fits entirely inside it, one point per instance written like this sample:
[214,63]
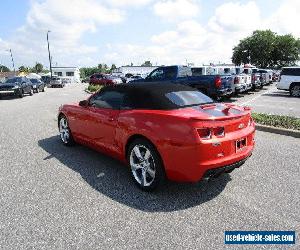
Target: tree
[147,64]
[4,69]
[88,71]
[105,69]
[113,67]
[38,68]
[265,49]
[24,69]
[286,51]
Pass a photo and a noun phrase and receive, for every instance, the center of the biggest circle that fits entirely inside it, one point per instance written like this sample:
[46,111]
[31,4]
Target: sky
[89,32]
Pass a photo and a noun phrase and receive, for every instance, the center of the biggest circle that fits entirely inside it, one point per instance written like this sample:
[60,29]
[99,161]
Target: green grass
[280,121]
[94,88]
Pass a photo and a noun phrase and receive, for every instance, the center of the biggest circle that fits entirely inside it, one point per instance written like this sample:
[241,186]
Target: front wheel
[64,131]
[146,165]
[21,93]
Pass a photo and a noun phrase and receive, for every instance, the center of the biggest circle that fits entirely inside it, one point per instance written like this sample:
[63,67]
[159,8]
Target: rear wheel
[64,131]
[295,90]
[146,165]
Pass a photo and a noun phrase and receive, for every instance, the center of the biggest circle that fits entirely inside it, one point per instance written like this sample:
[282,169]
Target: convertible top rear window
[188,98]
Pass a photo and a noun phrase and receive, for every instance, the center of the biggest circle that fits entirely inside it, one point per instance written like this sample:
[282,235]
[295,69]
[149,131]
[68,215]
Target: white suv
[290,80]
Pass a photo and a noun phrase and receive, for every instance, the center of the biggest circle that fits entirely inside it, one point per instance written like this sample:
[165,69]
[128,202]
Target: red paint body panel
[185,155]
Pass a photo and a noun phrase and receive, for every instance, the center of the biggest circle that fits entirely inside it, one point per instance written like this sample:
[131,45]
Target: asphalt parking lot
[270,100]
[55,197]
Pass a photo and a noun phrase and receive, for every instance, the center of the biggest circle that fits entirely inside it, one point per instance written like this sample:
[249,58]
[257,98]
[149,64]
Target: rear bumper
[215,172]
[257,83]
[239,88]
[191,163]
[224,92]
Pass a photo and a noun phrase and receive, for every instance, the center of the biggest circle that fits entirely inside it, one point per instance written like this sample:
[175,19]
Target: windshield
[188,98]
[13,80]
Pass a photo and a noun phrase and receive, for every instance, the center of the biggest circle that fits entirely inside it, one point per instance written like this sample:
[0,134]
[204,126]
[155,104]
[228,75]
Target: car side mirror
[83,103]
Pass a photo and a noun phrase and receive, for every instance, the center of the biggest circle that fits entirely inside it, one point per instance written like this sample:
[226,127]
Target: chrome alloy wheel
[142,165]
[295,91]
[64,130]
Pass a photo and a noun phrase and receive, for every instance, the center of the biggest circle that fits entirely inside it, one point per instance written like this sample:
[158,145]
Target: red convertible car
[161,131]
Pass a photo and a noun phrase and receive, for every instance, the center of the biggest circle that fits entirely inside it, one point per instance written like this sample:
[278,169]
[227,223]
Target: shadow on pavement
[112,179]
[278,94]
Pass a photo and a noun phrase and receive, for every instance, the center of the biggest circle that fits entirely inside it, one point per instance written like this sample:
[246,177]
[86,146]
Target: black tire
[21,93]
[64,131]
[295,90]
[153,164]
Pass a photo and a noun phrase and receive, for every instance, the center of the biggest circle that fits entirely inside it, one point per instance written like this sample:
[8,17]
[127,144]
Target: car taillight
[219,131]
[204,133]
[218,82]
[236,80]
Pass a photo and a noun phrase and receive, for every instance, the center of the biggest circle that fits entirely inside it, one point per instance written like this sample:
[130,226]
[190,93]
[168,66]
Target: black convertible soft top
[148,95]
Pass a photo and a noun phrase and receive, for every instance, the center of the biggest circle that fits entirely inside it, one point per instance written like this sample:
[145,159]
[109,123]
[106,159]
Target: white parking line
[256,97]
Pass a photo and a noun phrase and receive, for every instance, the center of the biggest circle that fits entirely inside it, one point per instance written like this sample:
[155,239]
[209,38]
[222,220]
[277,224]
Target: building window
[70,73]
[58,73]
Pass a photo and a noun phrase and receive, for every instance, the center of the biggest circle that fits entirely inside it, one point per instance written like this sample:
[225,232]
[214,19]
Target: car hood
[8,85]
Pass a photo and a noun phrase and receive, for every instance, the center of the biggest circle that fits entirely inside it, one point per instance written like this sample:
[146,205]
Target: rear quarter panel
[163,128]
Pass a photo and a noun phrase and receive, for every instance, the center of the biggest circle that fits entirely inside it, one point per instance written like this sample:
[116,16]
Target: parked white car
[290,80]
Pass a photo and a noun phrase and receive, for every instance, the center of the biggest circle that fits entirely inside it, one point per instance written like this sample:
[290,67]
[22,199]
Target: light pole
[12,59]
[49,53]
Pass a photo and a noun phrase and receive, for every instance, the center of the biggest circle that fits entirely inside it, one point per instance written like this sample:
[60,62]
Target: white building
[71,73]
[134,70]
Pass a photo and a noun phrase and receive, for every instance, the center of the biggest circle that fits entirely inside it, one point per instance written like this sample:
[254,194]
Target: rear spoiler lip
[221,118]
[245,110]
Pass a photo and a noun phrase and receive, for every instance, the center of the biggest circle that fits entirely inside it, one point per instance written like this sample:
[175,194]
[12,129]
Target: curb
[280,131]
[89,92]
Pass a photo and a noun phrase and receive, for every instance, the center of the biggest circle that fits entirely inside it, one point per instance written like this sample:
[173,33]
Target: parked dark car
[215,86]
[17,86]
[37,85]
[46,79]
[56,82]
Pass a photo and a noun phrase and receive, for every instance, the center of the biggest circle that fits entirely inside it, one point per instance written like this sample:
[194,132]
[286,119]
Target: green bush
[94,88]
[281,121]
